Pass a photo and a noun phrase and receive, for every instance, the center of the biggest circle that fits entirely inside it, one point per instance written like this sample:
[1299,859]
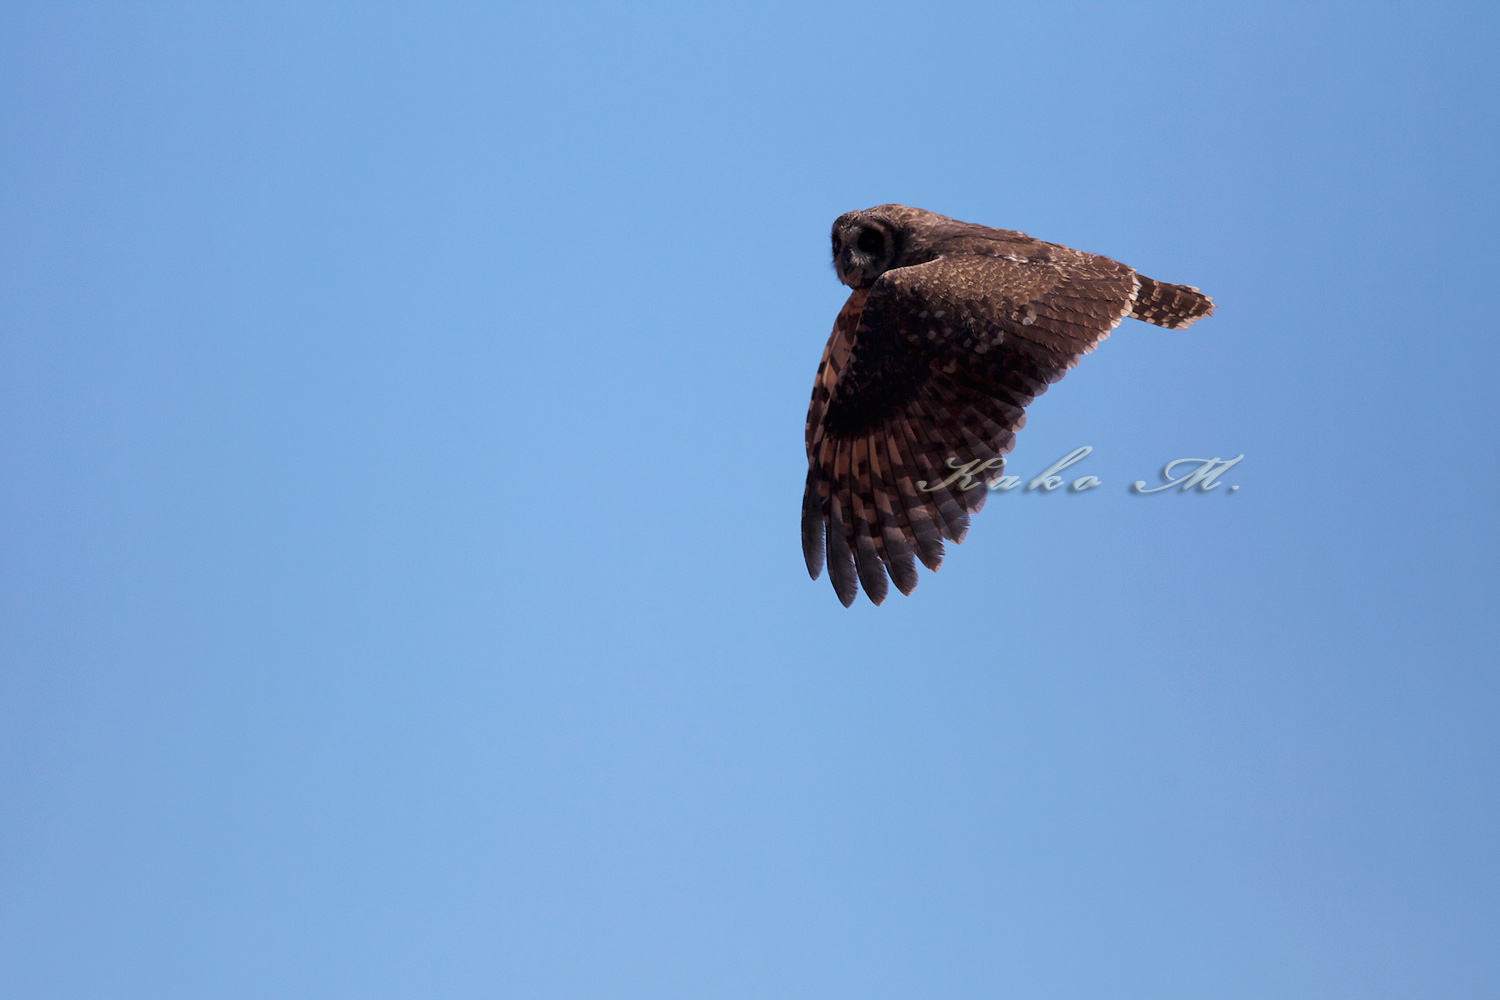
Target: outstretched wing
[927,374]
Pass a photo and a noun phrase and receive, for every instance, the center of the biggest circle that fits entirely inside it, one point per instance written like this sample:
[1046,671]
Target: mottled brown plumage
[950,331]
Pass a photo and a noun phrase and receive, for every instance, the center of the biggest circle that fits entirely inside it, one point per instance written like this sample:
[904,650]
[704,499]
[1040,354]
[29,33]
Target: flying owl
[950,331]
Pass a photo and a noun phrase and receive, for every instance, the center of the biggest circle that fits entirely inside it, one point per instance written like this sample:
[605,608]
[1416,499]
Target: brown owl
[950,331]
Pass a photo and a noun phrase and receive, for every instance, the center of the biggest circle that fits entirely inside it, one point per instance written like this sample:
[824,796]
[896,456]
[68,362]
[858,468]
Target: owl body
[950,330]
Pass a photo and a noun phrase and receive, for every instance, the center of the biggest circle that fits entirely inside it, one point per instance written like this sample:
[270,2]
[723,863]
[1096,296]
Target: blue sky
[401,416]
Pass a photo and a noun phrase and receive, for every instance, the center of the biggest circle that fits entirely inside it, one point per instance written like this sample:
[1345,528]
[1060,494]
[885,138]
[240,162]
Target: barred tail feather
[1171,306]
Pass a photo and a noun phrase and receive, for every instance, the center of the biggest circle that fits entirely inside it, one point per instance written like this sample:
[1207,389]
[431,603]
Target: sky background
[400,470]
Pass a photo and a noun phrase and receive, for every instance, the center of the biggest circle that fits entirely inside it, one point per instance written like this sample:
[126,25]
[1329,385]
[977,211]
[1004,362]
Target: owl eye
[838,244]
[871,242]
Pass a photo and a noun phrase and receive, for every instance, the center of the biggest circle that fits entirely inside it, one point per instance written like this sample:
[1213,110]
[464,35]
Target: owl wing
[922,386]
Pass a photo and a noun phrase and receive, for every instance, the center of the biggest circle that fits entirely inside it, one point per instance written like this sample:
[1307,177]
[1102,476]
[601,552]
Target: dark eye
[838,244]
[871,242]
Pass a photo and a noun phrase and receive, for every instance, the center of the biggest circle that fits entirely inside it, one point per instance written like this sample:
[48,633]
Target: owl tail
[1171,306]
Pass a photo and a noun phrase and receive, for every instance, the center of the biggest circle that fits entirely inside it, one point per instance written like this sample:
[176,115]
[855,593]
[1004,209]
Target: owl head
[869,243]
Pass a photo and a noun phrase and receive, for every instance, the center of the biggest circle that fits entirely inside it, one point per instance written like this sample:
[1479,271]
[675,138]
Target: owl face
[865,246]
[869,243]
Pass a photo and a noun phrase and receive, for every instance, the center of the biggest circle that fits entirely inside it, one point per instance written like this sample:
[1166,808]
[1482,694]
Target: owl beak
[841,264]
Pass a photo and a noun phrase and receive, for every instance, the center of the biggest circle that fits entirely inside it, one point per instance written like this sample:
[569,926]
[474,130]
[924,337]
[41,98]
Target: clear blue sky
[400,466]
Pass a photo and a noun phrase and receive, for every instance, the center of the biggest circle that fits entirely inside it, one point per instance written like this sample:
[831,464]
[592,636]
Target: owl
[950,330]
